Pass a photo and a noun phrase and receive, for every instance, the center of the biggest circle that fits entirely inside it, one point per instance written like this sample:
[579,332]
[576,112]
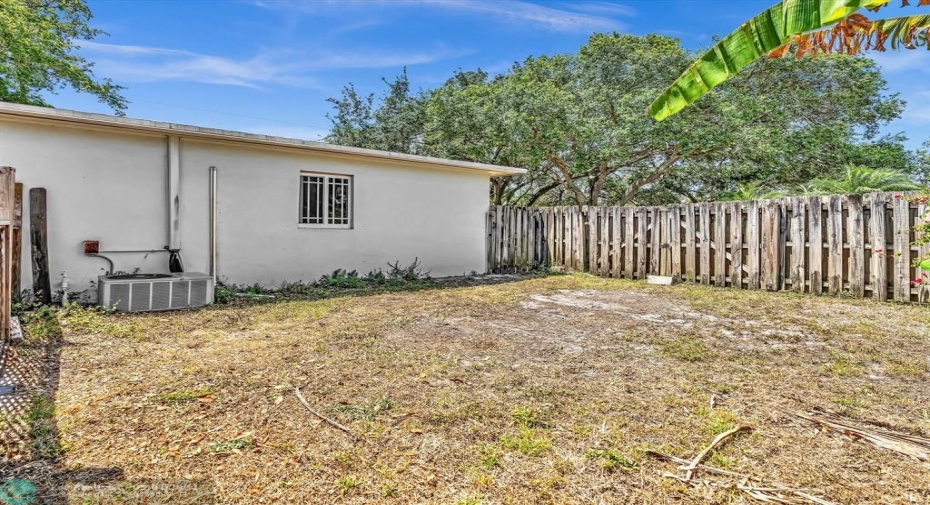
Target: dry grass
[540,391]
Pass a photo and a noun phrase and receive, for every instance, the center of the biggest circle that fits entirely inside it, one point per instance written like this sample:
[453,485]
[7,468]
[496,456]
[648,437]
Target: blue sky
[267,66]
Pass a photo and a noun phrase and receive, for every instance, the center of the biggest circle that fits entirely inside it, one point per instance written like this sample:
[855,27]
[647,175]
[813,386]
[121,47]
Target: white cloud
[917,60]
[582,16]
[268,67]
[603,8]
[515,11]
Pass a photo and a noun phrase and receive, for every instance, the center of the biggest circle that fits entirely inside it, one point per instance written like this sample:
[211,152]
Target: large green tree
[575,122]
[39,40]
[394,123]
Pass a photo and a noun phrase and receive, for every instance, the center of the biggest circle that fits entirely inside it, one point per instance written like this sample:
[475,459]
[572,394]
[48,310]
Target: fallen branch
[902,443]
[768,492]
[689,469]
[324,418]
[702,467]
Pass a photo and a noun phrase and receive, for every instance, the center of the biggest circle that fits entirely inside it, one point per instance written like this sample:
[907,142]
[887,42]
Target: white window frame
[328,182]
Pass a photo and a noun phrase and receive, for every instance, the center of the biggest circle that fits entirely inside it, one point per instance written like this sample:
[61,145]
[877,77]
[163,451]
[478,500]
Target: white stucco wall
[99,187]
[111,186]
[400,213]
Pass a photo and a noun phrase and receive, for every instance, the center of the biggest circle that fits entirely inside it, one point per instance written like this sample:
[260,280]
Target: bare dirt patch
[538,391]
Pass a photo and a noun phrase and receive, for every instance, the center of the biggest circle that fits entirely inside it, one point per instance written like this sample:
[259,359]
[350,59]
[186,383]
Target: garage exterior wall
[109,185]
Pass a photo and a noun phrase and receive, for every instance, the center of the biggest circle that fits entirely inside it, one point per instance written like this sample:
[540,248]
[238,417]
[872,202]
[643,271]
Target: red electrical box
[91,246]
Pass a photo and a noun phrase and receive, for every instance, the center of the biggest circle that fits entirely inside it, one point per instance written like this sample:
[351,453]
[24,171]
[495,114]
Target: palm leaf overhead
[797,23]
[856,34]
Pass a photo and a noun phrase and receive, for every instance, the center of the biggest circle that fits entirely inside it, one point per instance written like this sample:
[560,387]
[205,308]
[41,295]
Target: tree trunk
[497,193]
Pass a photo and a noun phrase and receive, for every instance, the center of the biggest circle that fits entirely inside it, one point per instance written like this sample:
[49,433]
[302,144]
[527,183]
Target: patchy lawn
[548,390]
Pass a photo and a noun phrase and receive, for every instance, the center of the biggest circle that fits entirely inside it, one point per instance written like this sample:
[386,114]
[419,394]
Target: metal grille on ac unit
[177,291]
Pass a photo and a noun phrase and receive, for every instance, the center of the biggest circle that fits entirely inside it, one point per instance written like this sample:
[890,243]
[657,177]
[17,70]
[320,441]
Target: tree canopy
[38,44]
[576,122]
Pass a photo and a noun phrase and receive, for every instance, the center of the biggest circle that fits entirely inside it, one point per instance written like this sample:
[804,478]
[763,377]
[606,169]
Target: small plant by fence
[856,244]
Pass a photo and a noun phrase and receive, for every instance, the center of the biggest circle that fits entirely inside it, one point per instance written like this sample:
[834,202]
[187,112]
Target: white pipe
[112,267]
[213,224]
[174,191]
[131,250]
[65,285]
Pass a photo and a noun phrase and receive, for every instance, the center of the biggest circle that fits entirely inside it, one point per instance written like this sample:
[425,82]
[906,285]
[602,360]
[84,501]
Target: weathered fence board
[858,244]
[834,243]
[815,245]
[856,239]
[675,237]
[878,245]
[902,250]
[704,232]
[720,244]
[923,252]
[770,247]
[796,270]
[753,244]
[10,221]
[736,245]
[690,245]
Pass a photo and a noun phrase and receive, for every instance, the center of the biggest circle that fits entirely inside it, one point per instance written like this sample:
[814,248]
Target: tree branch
[568,180]
[657,174]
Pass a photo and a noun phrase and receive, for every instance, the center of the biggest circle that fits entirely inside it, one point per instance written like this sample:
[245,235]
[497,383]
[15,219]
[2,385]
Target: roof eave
[87,118]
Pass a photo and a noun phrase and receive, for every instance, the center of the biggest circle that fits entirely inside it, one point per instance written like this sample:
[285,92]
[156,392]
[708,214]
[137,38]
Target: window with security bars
[325,201]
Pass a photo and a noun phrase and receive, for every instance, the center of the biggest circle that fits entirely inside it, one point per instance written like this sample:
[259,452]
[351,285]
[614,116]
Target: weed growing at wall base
[340,282]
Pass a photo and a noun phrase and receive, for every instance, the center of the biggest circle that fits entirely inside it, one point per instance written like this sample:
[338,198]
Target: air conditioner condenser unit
[154,292]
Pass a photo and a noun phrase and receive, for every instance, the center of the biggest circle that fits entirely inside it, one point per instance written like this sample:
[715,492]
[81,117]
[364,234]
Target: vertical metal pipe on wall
[213,224]
[174,192]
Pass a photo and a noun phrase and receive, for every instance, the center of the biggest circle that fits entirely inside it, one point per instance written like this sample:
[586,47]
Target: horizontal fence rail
[855,244]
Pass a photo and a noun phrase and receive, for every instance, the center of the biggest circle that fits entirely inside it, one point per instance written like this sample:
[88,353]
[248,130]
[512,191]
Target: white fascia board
[197,132]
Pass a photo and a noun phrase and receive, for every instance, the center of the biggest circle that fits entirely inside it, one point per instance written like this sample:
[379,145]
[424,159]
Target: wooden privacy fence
[11,214]
[857,244]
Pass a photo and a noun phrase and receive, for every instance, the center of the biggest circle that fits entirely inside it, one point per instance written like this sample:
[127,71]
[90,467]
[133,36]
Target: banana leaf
[901,32]
[754,39]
